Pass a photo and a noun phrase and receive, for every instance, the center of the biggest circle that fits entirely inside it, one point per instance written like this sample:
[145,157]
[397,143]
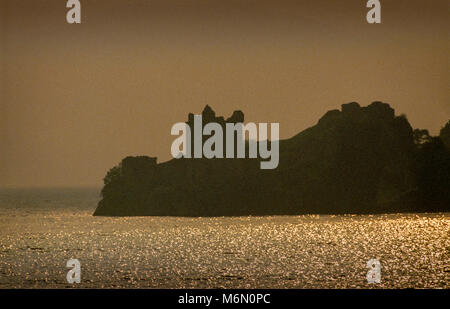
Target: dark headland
[356,160]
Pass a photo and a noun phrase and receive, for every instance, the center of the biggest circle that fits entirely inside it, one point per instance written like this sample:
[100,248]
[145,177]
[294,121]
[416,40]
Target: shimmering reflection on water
[244,252]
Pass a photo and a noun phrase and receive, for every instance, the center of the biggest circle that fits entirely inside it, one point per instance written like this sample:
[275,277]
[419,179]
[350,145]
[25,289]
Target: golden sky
[76,99]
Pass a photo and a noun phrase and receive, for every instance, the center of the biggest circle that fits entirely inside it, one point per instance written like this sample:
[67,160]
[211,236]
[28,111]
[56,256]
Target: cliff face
[355,160]
[445,134]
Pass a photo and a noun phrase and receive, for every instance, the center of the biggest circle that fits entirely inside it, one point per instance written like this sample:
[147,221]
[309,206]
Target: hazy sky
[76,99]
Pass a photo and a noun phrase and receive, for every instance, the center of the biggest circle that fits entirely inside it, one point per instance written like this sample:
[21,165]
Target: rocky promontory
[354,160]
